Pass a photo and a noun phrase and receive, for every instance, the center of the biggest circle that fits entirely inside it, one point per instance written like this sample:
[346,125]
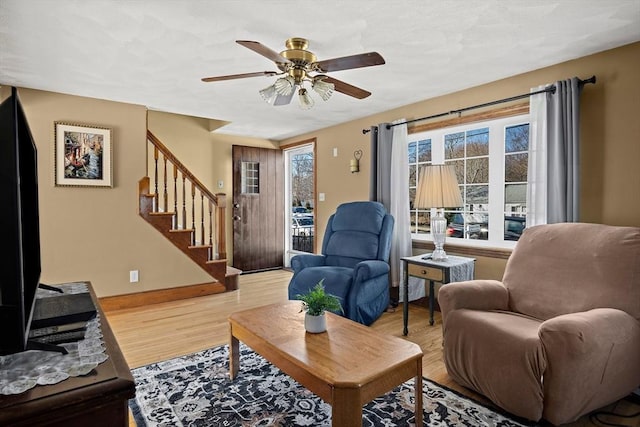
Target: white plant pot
[315,324]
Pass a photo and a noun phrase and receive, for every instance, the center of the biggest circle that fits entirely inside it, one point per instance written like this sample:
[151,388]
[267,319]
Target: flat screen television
[20,266]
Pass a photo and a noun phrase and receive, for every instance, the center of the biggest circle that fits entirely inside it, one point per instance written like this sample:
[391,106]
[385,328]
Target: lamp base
[439,254]
[439,234]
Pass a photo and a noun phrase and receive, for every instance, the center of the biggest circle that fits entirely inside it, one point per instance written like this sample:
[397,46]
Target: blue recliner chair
[354,262]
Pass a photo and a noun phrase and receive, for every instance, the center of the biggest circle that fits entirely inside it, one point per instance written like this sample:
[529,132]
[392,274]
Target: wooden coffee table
[347,366]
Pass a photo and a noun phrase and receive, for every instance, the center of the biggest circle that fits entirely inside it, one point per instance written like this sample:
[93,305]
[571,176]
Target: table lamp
[438,188]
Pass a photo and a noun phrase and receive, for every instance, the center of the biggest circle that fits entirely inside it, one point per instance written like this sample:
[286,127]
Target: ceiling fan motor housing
[300,58]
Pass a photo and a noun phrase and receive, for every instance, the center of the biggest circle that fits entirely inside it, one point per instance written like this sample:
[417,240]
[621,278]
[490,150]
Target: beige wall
[96,234]
[610,134]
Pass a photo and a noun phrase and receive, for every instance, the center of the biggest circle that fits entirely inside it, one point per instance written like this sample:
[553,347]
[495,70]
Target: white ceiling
[154,52]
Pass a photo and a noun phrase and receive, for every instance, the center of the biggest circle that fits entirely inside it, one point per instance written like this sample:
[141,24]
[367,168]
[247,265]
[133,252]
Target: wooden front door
[257,208]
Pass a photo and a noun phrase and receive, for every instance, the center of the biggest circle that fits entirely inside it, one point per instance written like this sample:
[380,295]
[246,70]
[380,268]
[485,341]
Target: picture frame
[83,155]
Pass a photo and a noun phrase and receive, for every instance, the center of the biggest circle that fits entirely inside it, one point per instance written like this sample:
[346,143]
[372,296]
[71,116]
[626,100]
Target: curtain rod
[551,89]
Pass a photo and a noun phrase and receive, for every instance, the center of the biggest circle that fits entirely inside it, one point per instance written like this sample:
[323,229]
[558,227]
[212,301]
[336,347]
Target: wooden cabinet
[96,399]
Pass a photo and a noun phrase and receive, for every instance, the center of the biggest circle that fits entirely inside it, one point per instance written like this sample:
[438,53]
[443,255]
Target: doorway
[300,199]
[258,221]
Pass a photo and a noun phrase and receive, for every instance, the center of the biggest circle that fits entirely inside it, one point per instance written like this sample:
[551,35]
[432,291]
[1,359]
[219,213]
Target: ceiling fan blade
[239,76]
[346,88]
[264,51]
[283,99]
[347,62]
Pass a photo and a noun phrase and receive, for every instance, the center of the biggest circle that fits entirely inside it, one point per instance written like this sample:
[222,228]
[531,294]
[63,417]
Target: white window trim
[496,173]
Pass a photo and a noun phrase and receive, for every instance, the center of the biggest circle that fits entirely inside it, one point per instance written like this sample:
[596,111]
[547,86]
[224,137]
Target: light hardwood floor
[166,330]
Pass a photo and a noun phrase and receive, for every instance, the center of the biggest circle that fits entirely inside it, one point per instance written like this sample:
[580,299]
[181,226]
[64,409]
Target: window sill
[477,249]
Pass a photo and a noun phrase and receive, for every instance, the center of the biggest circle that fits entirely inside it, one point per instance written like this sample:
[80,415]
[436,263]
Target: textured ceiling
[154,52]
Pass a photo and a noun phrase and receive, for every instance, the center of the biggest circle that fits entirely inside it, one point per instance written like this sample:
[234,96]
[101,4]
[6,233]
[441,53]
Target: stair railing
[194,207]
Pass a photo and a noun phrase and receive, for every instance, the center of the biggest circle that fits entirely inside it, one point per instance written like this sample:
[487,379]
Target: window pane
[478,142]
[516,138]
[515,198]
[469,225]
[412,197]
[412,222]
[412,152]
[515,167]
[424,222]
[478,170]
[477,197]
[454,145]
[513,227]
[412,176]
[420,221]
[301,176]
[424,151]
[459,166]
[250,177]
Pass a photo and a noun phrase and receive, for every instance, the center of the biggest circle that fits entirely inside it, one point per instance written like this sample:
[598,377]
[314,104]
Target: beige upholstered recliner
[559,336]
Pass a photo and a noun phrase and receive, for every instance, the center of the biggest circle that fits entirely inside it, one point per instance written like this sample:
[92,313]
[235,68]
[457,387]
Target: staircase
[195,223]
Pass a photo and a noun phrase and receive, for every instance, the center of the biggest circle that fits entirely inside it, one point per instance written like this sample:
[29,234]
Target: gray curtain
[389,186]
[380,188]
[563,155]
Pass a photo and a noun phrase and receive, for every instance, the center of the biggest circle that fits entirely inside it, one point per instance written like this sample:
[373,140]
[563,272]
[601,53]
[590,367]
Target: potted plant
[315,303]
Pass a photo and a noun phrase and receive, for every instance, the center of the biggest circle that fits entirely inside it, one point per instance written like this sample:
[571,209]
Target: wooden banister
[207,210]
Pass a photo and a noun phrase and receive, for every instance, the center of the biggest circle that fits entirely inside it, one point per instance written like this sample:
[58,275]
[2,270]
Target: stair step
[184,239]
[161,213]
[232,278]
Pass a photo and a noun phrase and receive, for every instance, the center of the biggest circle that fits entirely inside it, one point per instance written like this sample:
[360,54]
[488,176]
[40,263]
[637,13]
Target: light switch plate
[133,276]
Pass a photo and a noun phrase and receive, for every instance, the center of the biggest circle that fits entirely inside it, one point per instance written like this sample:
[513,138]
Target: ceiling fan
[299,68]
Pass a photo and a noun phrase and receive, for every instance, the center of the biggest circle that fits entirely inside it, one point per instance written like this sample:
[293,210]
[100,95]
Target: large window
[490,160]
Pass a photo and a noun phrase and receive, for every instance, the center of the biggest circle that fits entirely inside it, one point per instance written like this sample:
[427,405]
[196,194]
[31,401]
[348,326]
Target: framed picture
[83,155]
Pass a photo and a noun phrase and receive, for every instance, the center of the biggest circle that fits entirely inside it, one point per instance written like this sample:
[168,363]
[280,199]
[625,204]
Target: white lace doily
[20,372]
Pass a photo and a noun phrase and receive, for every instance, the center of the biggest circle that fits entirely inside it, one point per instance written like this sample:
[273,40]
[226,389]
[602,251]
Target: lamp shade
[438,188]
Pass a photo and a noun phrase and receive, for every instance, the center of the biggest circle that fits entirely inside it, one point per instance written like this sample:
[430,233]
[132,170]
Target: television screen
[20,267]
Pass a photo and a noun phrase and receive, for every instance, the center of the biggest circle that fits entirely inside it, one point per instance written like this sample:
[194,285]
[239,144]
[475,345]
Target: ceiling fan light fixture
[306,102]
[285,85]
[269,94]
[322,88]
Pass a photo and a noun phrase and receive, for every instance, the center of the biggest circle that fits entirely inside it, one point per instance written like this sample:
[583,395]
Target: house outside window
[491,160]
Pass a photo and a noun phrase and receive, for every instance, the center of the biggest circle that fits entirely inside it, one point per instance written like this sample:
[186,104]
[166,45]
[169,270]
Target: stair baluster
[209,253]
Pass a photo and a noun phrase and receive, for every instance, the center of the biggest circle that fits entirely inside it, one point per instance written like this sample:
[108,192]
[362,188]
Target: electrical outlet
[133,276]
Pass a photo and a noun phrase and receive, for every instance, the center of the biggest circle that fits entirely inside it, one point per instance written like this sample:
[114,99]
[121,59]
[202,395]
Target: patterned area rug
[195,390]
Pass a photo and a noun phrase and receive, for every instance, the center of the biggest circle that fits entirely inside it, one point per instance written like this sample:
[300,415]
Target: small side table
[453,269]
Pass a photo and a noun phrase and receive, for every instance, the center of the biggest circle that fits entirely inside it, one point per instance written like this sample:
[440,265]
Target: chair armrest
[365,270]
[474,295]
[369,289]
[584,332]
[592,356]
[303,261]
